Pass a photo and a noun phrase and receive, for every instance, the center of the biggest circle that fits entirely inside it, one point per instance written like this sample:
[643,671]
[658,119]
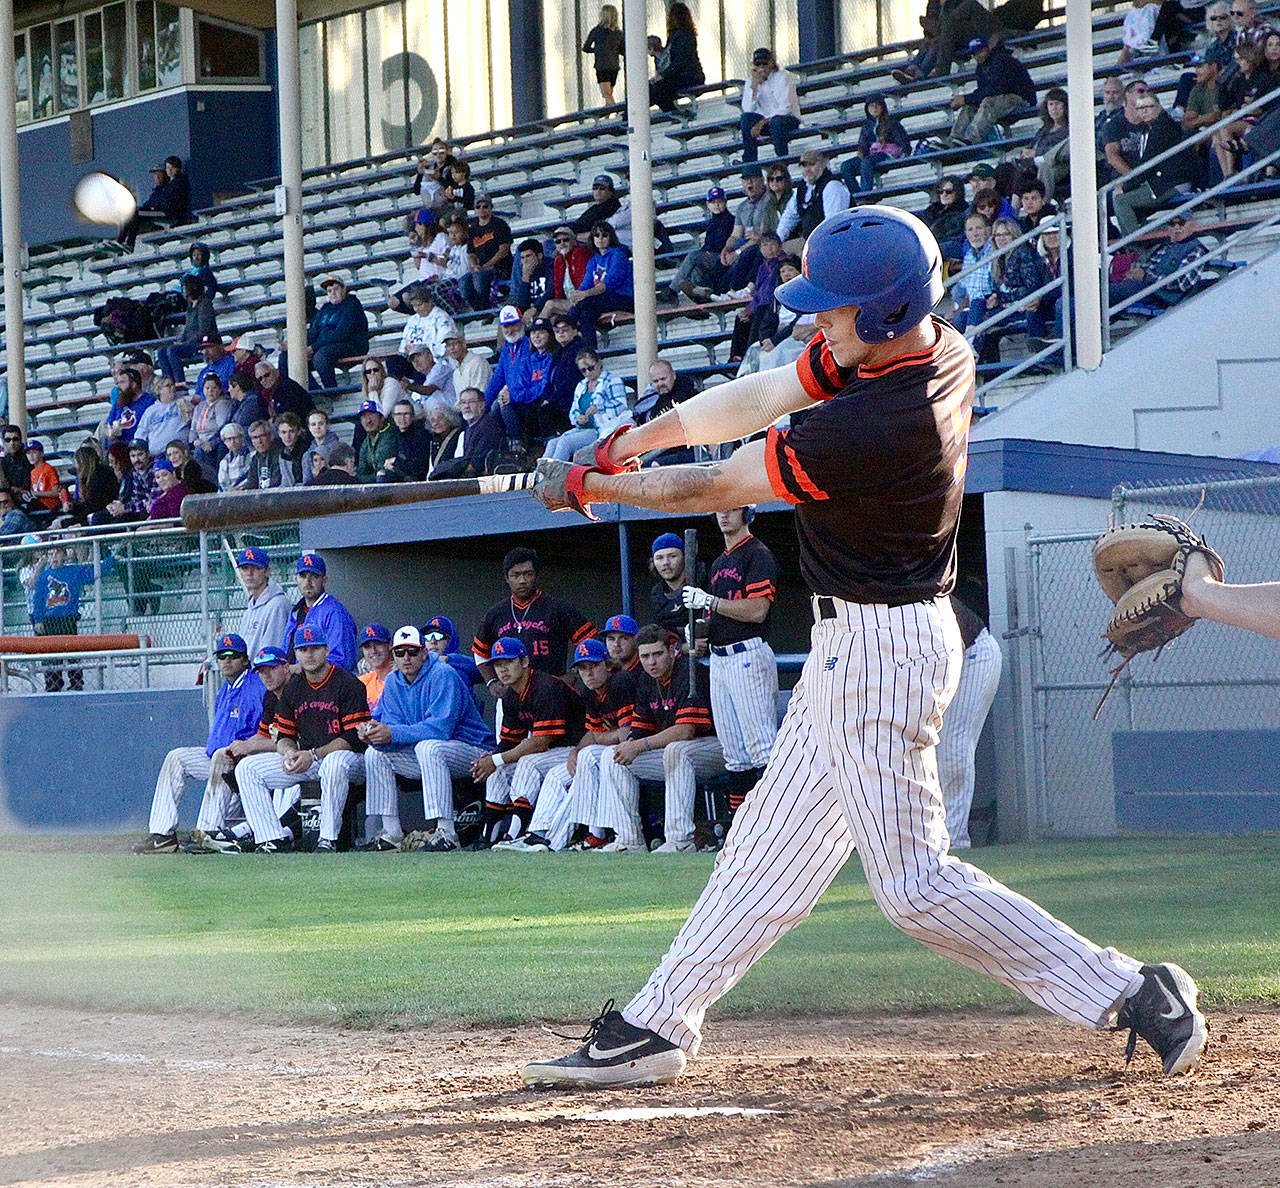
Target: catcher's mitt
[1140,568]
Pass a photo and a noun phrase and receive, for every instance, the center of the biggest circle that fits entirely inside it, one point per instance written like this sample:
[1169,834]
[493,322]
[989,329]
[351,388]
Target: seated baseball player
[541,720]
[375,660]
[441,637]
[672,739]
[570,789]
[323,611]
[426,726]
[272,666]
[237,710]
[317,738]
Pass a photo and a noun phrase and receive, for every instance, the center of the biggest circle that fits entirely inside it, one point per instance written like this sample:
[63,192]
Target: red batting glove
[601,454]
[573,489]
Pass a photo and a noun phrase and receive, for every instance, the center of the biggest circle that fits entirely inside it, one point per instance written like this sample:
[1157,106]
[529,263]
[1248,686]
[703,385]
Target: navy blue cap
[668,540]
[310,635]
[375,633]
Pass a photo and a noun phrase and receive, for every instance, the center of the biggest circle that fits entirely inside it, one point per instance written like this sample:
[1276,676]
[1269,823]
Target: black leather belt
[731,649]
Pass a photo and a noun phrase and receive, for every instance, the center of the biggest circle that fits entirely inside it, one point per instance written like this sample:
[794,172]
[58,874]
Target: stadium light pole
[1086,302]
[289,87]
[10,216]
[640,183]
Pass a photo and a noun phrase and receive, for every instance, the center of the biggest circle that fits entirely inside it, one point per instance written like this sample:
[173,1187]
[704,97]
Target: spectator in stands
[770,106]
[428,187]
[945,215]
[677,68]
[984,178]
[264,460]
[1218,41]
[55,600]
[216,362]
[266,616]
[549,416]
[426,327]
[456,265]
[281,393]
[488,254]
[1050,247]
[339,330]
[1136,31]
[428,252]
[375,661]
[247,406]
[793,334]
[379,442]
[1175,24]
[15,466]
[1248,82]
[1032,205]
[233,469]
[1014,276]
[13,520]
[755,214]
[568,270]
[882,139]
[600,406]
[199,323]
[445,423]
[1112,102]
[758,319]
[532,280]
[564,377]
[323,439]
[482,433]
[318,608]
[293,447]
[429,379]
[1003,87]
[246,351]
[667,388]
[1049,150]
[958,23]
[817,195]
[186,469]
[338,470]
[207,420]
[413,443]
[379,387]
[604,204]
[129,404]
[47,491]
[169,202]
[1179,249]
[198,257]
[459,192]
[970,292]
[510,379]
[1249,26]
[1176,175]
[162,421]
[701,269]
[1125,131]
[94,488]
[133,498]
[605,42]
[608,283]
[470,368]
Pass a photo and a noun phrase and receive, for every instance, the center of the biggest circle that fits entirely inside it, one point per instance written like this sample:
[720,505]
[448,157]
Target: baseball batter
[876,472]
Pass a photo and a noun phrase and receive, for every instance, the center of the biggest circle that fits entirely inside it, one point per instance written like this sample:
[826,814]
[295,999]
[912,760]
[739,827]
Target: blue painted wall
[88,761]
[226,137]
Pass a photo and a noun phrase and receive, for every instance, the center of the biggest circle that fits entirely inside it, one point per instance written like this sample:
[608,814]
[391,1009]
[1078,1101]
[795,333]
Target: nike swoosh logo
[598,1053]
[1176,1009]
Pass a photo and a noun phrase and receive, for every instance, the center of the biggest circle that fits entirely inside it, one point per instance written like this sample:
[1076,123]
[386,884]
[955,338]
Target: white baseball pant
[679,765]
[180,765]
[255,774]
[522,780]
[584,792]
[439,762]
[961,729]
[555,813]
[744,704]
[854,766]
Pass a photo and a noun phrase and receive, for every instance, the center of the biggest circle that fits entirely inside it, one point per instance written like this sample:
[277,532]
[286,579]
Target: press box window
[228,52]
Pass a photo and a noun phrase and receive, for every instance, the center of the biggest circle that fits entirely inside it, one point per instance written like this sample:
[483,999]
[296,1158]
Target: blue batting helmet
[881,259]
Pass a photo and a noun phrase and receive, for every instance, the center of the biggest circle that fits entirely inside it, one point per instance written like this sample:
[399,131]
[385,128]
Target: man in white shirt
[770,106]
[470,368]
[428,325]
[818,195]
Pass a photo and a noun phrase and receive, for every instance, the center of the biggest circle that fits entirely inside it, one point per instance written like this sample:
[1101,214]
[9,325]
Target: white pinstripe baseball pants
[584,792]
[523,779]
[439,761]
[744,704]
[854,765]
[180,765]
[551,814]
[679,765]
[255,774]
[961,729]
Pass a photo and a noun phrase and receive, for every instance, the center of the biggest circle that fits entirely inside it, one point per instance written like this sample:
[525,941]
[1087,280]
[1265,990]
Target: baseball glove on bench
[1140,568]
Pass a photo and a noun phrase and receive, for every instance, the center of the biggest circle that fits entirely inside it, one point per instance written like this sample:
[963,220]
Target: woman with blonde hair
[605,41]
[376,384]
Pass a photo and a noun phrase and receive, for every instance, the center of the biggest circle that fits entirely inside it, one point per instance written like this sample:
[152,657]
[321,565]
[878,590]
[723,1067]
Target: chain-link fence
[174,590]
[1213,678]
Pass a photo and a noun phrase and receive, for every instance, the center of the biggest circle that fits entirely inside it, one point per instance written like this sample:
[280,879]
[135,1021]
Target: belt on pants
[734,648]
[824,607]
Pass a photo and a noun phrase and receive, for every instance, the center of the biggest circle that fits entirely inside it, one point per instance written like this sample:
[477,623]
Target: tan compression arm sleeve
[743,406]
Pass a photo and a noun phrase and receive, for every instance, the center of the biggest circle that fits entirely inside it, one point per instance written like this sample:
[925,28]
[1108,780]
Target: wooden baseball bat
[232,509]
[690,570]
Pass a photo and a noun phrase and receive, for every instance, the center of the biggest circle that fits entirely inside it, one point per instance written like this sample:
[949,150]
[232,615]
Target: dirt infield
[92,1099]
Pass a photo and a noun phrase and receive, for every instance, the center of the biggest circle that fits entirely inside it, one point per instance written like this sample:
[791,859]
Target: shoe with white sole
[528,843]
[1164,1013]
[675,847]
[615,847]
[614,1054]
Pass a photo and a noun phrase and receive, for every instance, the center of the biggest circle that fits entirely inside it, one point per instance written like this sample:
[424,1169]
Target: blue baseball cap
[668,540]
[33,444]
[162,464]
[253,556]
[590,651]
[715,192]
[310,563]
[230,644]
[371,406]
[624,623]
[269,657]
[508,648]
[439,625]
[309,635]
[375,633]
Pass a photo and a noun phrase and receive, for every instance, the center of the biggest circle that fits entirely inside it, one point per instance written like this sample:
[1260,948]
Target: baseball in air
[100,198]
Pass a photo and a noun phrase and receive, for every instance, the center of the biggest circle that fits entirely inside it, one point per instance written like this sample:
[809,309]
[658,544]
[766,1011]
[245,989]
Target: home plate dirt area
[971,1099]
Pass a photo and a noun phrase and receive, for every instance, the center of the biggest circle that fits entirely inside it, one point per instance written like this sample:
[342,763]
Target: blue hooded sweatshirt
[438,705]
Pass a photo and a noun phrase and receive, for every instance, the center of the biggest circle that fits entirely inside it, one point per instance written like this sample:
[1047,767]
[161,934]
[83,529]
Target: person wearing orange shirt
[375,657]
[46,487]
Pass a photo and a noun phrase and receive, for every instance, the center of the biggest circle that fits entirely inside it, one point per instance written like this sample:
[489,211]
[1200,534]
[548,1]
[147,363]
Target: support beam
[289,86]
[14,323]
[1085,268]
[816,27]
[528,88]
[640,185]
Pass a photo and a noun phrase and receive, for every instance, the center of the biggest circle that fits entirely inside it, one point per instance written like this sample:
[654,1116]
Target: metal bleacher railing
[175,590]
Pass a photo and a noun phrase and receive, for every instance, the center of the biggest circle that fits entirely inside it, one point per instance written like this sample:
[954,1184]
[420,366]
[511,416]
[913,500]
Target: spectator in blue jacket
[607,287]
[882,138]
[425,702]
[509,383]
[701,270]
[1015,275]
[339,330]
[127,406]
[199,257]
[1003,87]
[319,608]
[55,605]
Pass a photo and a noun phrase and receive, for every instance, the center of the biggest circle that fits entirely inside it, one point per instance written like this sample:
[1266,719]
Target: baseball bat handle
[690,577]
[234,509]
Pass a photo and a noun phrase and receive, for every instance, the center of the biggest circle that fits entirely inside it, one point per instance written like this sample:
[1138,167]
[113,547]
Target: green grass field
[498,938]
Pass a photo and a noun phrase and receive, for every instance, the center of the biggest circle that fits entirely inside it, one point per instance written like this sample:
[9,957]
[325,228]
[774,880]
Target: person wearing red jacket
[571,260]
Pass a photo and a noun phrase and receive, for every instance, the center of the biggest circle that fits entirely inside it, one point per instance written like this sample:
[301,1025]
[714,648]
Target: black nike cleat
[158,843]
[614,1054]
[1164,1013]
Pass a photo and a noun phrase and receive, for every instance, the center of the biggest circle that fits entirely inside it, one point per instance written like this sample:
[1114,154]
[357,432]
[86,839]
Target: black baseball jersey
[548,627]
[548,709]
[877,471]
[612,706]
[313,715]
[668,605]
[748,570]
[971,625]
[659,706]
[267,724]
